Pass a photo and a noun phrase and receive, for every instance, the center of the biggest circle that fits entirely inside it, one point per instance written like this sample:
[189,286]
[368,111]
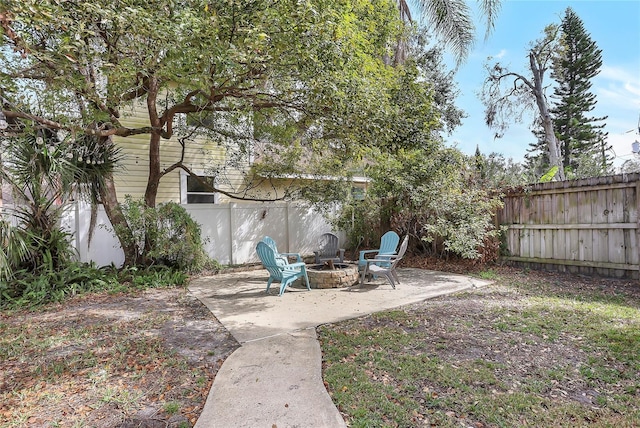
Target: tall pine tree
[581,138]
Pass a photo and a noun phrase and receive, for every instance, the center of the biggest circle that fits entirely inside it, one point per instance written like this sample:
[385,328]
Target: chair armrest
[296,255]
[296,265]
[363,252]
[385,260]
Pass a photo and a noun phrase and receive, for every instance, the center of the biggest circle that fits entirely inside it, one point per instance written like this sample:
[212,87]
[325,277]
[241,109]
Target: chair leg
[306,279]
[389,276]
[283,286]
[364,275]
[395,276]
[269,284]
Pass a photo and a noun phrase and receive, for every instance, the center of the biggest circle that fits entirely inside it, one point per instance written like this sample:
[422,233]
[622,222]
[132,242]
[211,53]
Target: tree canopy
[288,72]
[507,94]
[306,82]
[578,61]
[568,141]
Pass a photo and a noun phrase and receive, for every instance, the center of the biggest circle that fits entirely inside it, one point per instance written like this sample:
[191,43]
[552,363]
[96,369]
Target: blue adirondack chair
[282,256]
[388,246]
[284,273]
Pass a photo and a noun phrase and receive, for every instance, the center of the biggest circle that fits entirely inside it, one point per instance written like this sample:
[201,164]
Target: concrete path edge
[274,379]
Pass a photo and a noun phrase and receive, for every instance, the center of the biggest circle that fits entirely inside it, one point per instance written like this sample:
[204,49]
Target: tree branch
[208,186]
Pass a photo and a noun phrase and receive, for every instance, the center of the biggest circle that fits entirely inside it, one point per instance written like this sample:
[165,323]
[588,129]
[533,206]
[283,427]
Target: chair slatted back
[389,243]
[271,243]
[328,244]
[268,258]
[401,251]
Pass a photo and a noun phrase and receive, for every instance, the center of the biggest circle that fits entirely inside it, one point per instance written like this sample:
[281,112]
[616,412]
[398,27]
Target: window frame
[184,193]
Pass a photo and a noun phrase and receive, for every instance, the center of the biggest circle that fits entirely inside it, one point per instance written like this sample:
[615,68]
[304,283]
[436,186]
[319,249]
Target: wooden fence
[588,226]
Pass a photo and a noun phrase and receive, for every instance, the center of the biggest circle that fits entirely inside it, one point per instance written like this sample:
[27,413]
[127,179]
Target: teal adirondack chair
[284,256]
[284,273]
[388,246]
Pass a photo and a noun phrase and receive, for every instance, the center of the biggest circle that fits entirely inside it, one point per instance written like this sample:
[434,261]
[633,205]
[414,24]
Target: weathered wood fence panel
[588,226]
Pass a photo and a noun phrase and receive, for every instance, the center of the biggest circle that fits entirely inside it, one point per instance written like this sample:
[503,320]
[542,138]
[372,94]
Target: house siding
[200,156]
[133,171]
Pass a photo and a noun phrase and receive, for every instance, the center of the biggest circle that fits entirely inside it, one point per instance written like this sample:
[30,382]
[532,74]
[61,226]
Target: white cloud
[500,54]
[618,88]
[634,88]
[618,74]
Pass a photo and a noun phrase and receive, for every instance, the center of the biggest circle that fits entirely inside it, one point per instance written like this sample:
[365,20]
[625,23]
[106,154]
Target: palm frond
[451,22]
[490,9]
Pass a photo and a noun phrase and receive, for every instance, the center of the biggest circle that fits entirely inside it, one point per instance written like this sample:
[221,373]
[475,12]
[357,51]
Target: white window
[193,192]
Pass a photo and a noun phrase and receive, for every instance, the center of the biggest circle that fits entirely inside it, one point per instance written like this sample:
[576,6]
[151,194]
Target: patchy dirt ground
[148,360]
[145,360]
[533,329]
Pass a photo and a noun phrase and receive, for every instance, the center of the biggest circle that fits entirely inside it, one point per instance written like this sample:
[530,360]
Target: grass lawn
[533,349]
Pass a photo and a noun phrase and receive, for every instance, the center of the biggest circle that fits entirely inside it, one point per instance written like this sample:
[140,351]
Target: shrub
[360,220]
[27,288]
[430,196]
[166,235]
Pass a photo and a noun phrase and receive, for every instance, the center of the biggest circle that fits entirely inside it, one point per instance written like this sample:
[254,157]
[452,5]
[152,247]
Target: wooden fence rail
[588,226]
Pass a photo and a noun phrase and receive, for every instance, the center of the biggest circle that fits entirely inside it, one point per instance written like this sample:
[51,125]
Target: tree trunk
[153,181]
[547,123]
[385,215]
[118,221]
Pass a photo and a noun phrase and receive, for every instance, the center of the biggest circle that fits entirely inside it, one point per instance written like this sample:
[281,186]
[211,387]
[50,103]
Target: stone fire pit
[344,275]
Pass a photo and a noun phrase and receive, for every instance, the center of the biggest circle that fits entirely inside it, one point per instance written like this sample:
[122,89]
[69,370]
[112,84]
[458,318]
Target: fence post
[83,254]
[232,225]
[637,223]
[286,226]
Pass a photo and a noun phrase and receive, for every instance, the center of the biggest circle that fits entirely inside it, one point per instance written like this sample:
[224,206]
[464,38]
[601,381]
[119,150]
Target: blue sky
[613,25]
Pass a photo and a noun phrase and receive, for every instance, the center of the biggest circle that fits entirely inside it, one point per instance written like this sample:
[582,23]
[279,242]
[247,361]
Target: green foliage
[582,143]
[167,234]
[293,84]
[418,186]
[28,289]
[37,259]
[14,248]
[40,175]
[361,222]
[151,277]
[548,176]
[44,171]
[321,62]
[496,172]
[462,223]
[431,197]
[509,95]
[576,63]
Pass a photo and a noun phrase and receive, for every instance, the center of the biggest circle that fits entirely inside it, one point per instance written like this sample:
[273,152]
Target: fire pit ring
[344,275]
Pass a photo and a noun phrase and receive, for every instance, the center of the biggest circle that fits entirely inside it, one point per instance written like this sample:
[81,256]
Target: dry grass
[144,360]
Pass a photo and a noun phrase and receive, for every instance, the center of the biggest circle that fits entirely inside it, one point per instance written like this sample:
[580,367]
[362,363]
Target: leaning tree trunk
[118,221]
[547,123]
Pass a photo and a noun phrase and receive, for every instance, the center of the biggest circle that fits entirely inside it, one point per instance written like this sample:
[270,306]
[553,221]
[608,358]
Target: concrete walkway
[275,378]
